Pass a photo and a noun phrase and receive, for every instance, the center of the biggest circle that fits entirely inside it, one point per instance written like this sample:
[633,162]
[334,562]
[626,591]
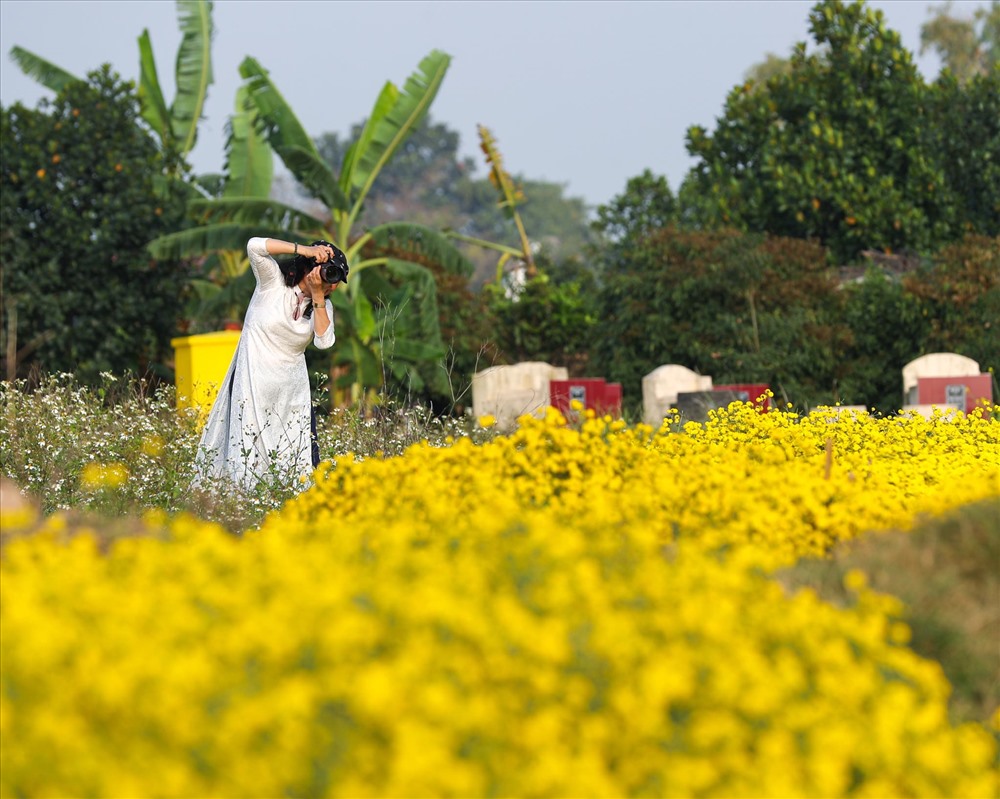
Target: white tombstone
[507,392]
[661,387]
[935,364]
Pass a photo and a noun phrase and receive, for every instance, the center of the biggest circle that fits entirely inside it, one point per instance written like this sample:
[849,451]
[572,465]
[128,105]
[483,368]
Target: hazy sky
[586,94]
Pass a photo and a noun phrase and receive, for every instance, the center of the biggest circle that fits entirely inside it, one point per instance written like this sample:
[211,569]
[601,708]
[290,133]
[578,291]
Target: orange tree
[82,192]
[849,146]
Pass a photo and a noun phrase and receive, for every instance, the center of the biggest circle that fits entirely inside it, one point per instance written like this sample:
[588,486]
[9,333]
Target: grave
[661,387]
[507,392]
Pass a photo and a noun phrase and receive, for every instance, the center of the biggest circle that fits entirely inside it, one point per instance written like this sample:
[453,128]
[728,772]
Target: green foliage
[843,146]
[176,127]
[428,182]
[959,298]
[646,205]
[194,71]
[966,139]
[887,331]
[80,200]
[421,178]
[742,308]
[544,321]
[760,73]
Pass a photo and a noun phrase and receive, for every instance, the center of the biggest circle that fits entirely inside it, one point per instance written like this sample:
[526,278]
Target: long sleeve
[264,267]
[325,341]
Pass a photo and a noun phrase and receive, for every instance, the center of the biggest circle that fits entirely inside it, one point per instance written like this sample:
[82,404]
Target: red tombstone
[964,393]
[592,392]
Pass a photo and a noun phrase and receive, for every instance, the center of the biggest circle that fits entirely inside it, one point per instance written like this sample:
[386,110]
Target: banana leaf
[165,186]
[249,163]
[288,138]
[420,282]
[202,240]
[411,105]
[194,70]
[264,213]
[154,107]
[45,72]
[364,362]
[364,316]
[385,101]
[423,244]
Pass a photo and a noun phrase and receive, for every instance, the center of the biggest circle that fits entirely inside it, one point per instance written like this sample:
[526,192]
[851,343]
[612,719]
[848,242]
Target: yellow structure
[200,365]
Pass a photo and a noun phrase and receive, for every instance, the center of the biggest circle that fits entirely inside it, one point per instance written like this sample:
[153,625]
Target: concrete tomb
[506,392]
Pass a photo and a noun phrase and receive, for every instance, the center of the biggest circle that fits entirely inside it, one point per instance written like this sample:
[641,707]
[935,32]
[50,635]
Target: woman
[260,424]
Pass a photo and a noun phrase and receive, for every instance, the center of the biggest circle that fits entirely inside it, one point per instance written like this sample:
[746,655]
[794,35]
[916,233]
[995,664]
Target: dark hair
[297,267]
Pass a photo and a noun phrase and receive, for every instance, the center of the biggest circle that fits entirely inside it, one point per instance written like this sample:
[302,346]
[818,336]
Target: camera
[335,270]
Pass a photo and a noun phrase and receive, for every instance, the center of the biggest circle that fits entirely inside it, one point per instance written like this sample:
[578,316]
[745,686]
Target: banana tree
[511,196]
[249,169]
[386,316]
[176,126]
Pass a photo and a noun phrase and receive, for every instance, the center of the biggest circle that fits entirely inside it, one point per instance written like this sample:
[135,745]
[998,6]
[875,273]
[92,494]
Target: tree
[958,293]
[966,139]
[760,73]
[430,183]
[420,180]
[547,321]
[840,148]
[742,308]
[646,205]
[214,296]
[176,126]
[220,292]
[887,330]
[964,51]
[79,203]
[380,324]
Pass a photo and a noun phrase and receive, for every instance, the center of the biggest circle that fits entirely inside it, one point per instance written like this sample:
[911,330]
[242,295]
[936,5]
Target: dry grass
[947,572]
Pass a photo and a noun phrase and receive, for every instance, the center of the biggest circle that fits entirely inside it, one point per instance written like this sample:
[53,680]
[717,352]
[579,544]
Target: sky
[584,93]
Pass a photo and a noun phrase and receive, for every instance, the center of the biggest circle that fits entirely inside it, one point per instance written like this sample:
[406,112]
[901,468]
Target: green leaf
[417,351]
[364,362]
[45,72]
[288,138]
[410,106]
[313,173]
[194,70]
[383,104]
[154,107]
[201,240]
[204,289]
[364,316]
[419,317]
[489,245]
[423,244]
[249,164]
[268,214]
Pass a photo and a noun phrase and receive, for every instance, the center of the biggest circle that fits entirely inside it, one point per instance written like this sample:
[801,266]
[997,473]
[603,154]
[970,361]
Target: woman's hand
[314,284]
[319,253]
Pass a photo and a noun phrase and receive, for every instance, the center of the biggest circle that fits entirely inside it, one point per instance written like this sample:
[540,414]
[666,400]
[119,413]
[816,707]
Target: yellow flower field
[570,610]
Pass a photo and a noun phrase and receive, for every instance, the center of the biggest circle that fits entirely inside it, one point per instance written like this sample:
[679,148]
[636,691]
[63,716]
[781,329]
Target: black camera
[335,270]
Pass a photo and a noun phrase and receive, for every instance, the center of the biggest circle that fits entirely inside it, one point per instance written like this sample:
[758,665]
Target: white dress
[259,426]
